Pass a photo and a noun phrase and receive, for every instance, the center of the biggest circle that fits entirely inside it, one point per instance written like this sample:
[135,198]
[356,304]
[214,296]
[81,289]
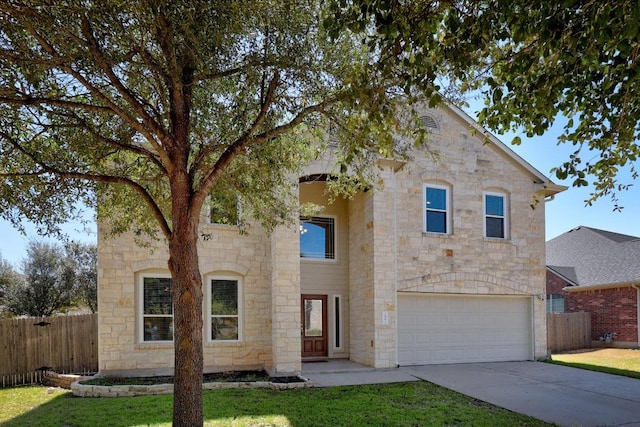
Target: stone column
[385,270]
[285,300]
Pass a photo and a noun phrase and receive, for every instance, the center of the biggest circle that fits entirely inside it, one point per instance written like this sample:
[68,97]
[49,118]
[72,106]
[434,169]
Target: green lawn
[405,404]
[611,360]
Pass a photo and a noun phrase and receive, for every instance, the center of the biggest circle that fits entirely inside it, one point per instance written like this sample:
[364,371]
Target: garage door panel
[457,329]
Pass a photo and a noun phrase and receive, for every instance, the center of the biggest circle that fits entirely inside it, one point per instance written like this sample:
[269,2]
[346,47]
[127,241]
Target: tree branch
[112,106]
[101,61]
[45,168]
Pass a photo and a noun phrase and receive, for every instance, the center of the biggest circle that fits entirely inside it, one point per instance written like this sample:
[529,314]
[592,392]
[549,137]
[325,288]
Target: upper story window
[437,216]
[157,308]
[224,208]
[225,309]
[496,220]
[318,237]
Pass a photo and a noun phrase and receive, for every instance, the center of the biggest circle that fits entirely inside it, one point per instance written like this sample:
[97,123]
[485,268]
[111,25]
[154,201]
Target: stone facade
[382,249]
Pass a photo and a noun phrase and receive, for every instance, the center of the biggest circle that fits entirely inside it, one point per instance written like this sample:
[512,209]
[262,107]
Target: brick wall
[555,284]
[612,310]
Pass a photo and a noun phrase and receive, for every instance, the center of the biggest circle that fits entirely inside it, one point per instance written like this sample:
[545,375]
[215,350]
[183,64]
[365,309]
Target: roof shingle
[588,256]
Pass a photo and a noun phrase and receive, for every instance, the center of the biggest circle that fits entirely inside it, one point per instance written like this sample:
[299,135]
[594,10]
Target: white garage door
[458,329]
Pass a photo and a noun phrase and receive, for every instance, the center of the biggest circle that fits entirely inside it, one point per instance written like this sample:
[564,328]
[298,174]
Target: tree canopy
[532,62]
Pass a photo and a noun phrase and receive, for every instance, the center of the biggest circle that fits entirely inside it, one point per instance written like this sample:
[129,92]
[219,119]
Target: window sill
[437,235]
[154,345]
[211,344]
[496,240]
[320,260]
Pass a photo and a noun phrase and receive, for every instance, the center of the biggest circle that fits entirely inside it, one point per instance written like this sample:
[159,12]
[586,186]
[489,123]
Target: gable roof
[591,258]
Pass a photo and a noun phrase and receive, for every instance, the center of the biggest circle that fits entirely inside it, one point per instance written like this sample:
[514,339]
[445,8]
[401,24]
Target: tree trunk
[187,300]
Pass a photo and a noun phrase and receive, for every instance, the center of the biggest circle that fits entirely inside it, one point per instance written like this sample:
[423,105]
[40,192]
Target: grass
[616,361]
[405,404]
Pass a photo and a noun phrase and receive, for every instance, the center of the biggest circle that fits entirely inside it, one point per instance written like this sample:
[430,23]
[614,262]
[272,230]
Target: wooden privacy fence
[30,346]
[568,331]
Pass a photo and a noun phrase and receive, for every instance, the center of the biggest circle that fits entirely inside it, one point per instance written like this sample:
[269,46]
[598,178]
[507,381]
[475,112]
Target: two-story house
[443,263]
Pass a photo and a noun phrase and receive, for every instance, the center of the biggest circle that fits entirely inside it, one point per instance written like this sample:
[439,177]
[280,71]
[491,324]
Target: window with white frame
[496,220]
[437,213]
[318,237]
[555,303]
[156,308]
[225,308]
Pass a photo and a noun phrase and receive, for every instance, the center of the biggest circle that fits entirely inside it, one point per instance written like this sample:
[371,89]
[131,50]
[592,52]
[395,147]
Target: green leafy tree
[9,279]
[150,106]
[82,259]
[49,282]
[532,61]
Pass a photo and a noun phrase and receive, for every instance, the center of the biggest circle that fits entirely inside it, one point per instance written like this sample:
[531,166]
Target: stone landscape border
[85,390]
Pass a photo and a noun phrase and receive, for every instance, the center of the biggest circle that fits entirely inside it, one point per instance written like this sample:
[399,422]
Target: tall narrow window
[224,309]
[495,211]
[157,309]
[337,320]
[436,200]
[317,238]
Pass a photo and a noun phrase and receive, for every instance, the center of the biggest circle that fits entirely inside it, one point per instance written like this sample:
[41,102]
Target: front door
[314,326]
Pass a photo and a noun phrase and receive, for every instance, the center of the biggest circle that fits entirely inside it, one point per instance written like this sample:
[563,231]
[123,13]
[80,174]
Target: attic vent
[429,123]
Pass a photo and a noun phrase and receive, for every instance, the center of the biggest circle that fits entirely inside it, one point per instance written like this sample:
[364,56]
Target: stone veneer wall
[361,279]
[385,269]
[285,300]
[464,261]
[119,263]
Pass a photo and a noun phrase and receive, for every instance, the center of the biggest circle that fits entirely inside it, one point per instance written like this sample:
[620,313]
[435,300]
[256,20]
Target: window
[337,320]
[223,207]
[495,214]
[555,303]
[436,202]
[317,238]
[224,309]
[157,309]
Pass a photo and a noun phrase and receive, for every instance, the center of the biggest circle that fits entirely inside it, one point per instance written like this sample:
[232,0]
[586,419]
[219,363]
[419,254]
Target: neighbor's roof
[589,257]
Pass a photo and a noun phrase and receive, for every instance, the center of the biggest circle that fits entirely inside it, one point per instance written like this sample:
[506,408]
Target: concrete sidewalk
[346,372]
[557,394]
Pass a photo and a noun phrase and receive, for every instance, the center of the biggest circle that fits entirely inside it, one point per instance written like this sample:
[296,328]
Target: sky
[564,213]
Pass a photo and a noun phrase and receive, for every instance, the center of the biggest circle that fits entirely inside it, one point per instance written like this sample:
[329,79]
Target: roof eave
[600,287]
[574,284]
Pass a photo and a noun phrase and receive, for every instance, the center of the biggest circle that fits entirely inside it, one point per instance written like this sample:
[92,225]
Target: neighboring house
[597,271]
[443,263]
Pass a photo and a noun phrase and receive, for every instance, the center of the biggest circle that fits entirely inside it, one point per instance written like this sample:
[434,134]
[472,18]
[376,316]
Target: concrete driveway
[557,394]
